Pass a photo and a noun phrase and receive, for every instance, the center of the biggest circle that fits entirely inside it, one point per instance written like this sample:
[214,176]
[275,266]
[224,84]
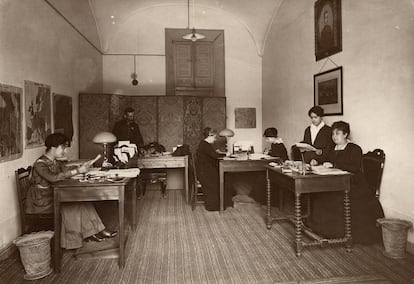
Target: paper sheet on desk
[321,170]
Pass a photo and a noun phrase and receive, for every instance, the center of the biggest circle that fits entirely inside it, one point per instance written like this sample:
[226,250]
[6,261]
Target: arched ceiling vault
[97,19]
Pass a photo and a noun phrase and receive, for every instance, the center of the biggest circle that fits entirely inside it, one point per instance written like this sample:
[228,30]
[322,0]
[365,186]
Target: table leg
[221,181]
[57,233]
[268,194]
[347,216]
[298,226]
[121,212]
[186,181]
[134,203]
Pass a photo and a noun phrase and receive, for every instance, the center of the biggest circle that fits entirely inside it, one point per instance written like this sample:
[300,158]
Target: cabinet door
[203,66]
[183,64]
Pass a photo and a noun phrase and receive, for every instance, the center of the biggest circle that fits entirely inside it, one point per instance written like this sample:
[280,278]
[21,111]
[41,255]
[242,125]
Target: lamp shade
[104,137]
[226,132]
[193,35]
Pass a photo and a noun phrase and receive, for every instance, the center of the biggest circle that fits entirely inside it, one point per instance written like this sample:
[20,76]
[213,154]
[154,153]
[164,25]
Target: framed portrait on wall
[328,28]
[327,91]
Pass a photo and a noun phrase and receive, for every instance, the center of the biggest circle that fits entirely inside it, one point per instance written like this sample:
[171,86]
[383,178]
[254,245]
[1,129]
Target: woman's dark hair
[341,125]
[316,110]
[128,110]
[55,140]
[270,132]
[208,131]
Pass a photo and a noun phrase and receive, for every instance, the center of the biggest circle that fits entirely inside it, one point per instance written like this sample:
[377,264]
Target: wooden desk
[167,162]
[71,190]
[234,165]
[309,183]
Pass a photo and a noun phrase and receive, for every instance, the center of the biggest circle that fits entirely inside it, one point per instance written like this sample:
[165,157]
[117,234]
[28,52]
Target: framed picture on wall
[328,28]
[327,91]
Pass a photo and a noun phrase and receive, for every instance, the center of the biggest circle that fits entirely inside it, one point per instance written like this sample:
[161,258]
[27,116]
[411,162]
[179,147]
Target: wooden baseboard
[7,252]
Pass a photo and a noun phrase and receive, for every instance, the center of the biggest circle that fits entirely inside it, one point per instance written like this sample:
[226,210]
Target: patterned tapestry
[146,116]
[93,118]
[193,125]
[37,113]
[214,116]
[245,117]
[11,141]
[170,121]
[62,115]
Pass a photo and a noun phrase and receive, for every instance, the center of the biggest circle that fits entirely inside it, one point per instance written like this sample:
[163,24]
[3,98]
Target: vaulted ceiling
[98,20]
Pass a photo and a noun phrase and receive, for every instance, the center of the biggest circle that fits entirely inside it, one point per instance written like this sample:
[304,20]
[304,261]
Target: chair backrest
[372,167]
[22,183]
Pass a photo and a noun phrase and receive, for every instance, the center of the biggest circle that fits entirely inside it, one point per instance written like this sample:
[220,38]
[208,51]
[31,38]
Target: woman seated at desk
[277,148]
[208,172]
[79,220]
[327,216]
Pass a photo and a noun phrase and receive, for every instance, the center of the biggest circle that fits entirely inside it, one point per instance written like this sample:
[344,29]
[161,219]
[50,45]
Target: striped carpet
[174,244]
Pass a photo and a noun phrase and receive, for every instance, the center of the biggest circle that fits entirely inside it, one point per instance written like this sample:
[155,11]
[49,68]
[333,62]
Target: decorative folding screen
[170,120]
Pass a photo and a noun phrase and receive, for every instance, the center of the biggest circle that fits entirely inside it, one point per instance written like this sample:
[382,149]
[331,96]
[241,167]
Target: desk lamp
[105,138]
[227,133]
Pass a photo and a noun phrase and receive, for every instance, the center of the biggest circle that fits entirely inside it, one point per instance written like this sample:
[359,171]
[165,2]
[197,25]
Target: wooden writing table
[309,183]
[72,190]
[239,165]
[167,162]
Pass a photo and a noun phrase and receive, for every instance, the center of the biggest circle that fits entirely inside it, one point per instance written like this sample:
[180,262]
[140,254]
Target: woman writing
[327,210]
[277,148]
[79,220]
[207,169]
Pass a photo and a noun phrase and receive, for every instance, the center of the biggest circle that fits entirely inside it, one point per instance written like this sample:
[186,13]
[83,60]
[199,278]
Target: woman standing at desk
[318,134]
[208,172]
[327,209]
[79,220]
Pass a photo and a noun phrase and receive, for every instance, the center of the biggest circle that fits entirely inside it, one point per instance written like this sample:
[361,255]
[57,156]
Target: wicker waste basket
[35,254]
[394,236]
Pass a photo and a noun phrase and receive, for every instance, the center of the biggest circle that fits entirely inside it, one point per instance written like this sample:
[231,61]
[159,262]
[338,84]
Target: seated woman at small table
[327,216]
[277,149]
[79,220]
[208,172]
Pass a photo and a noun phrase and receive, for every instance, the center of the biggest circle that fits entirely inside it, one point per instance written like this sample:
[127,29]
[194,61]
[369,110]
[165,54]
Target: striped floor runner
[174,244]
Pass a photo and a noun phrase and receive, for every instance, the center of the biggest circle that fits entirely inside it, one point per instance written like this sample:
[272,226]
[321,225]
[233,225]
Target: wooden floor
[174,244]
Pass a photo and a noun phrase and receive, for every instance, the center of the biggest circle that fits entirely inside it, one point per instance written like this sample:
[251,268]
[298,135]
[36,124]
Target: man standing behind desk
[127,129]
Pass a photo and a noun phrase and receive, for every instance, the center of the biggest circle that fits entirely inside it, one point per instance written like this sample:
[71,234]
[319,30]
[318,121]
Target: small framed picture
[327,91]
[328,28]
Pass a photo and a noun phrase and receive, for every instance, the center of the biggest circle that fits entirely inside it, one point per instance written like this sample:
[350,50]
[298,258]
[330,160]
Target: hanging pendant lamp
[193,35]
[134,75]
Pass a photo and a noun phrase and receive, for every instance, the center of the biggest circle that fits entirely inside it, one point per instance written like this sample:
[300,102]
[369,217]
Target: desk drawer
[160,164]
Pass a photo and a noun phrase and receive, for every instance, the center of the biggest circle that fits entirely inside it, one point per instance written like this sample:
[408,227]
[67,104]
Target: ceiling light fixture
[134,75]
[193,35]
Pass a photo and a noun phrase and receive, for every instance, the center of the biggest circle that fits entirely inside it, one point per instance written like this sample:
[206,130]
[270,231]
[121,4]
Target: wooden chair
[196,195]
[372,167]
[30,222]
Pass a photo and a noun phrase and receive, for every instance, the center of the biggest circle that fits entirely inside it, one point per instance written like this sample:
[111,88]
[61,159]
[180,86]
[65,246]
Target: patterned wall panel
[214,113]
[170,121]
[146,115]
[93,118]
[117,108]
[193,123]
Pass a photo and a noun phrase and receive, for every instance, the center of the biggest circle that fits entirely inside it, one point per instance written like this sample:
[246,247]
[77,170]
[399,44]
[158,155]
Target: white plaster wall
[377,60]
[143,33]
[36,44]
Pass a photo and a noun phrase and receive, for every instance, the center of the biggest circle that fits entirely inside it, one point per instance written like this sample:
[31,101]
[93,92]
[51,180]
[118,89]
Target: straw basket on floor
[35,254]
[394,236]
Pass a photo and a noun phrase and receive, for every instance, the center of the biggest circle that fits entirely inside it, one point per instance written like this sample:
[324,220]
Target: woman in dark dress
[327,210]
[277,149]
[318,134]
[208,173]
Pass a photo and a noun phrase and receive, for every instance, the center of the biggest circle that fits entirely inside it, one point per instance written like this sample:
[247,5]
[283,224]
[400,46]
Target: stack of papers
[305,147]
[321,170]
